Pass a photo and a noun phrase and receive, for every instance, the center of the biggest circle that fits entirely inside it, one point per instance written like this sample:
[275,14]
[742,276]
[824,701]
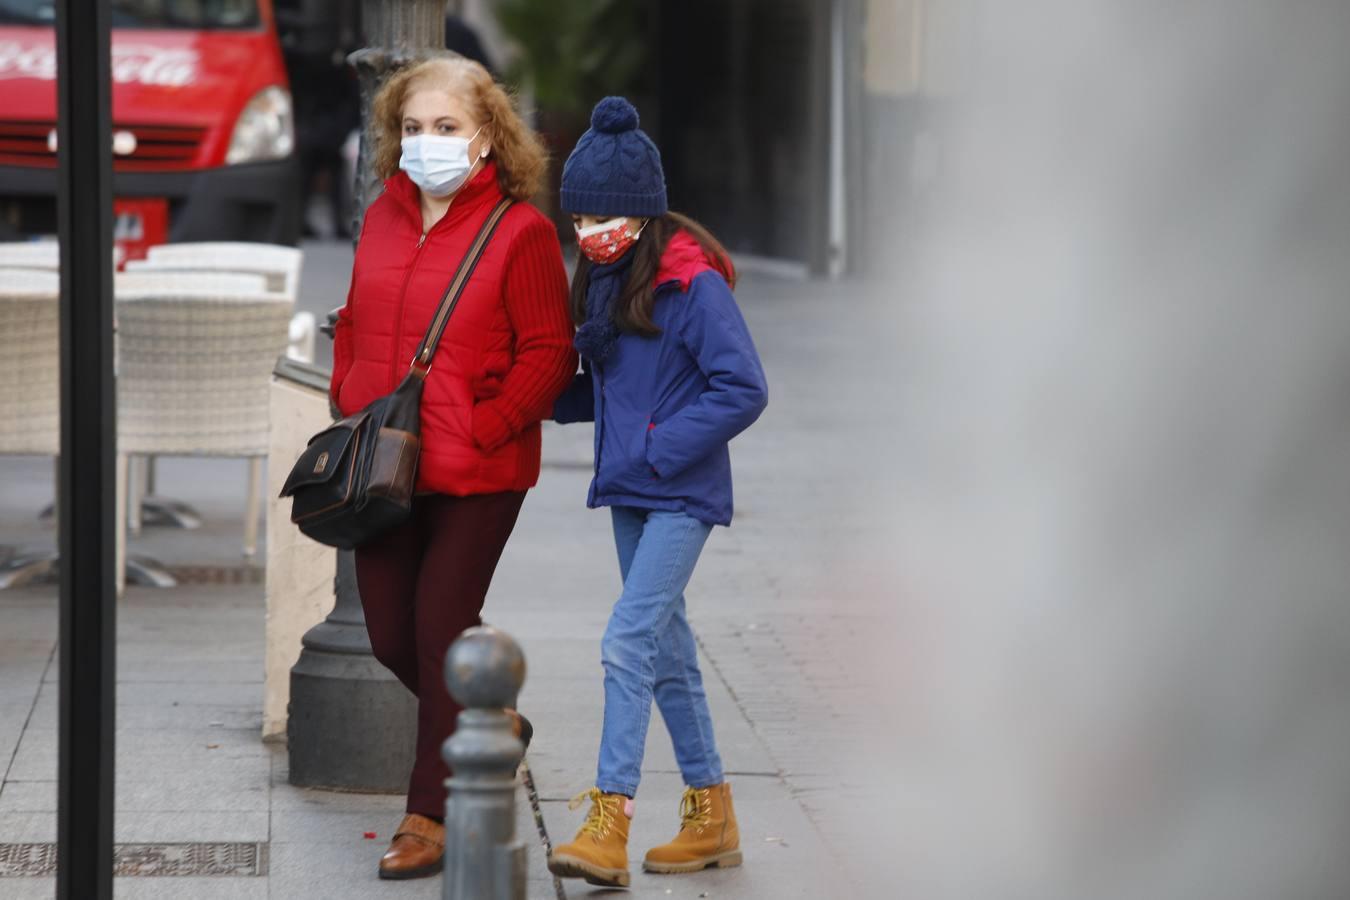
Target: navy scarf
[597,336]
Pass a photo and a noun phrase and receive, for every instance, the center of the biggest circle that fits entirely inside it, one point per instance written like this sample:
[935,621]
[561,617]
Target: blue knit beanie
[615,169]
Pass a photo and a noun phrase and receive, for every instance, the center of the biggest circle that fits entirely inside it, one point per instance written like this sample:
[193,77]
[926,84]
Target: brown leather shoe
[417,851]
[521,729]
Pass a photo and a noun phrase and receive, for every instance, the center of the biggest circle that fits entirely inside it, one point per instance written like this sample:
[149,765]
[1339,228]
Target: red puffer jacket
[505,356]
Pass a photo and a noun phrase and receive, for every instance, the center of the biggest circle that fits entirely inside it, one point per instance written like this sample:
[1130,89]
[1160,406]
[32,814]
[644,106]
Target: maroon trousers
[422,585]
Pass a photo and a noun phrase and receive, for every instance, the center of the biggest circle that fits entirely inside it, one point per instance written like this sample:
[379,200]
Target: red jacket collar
[685,259]
[481,189]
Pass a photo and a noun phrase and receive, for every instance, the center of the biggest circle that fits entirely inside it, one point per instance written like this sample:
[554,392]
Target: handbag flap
[323,458]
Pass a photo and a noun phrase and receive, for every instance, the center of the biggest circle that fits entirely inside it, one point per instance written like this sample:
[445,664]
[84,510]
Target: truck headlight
[265,130]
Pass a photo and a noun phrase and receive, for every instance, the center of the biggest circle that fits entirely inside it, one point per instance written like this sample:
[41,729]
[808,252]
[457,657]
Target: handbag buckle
[421,364]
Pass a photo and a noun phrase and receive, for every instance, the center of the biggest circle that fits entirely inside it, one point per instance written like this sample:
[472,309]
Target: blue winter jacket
[666,406]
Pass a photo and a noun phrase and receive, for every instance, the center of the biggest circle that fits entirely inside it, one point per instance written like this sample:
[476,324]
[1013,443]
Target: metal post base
[19,569]
[155,512]
[161,511]
[351,724]
[27,568]
[147,572]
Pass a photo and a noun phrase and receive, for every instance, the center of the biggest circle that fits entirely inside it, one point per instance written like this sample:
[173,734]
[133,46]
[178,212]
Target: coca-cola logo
[131,64]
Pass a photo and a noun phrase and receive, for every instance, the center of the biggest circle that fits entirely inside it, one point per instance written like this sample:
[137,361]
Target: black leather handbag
[355,480]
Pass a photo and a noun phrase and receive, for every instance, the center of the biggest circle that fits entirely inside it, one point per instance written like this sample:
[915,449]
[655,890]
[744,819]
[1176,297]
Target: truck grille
[25,144]
[158,147]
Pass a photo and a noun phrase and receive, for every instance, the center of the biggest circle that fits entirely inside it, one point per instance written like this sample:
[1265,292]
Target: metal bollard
[483,861]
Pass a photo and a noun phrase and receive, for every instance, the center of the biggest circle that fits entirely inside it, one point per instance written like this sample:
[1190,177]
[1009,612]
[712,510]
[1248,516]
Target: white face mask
[438,164]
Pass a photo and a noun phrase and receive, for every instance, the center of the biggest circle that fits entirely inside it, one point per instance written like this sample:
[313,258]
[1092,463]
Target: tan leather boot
[708,834]
[417,851]
[599,853]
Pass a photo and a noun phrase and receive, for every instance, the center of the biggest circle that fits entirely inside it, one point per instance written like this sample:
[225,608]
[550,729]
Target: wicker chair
[38,254]
[195,368]
[161,281]
[30,409]
[30,400]
[15,270]
[279,264]
[144,506]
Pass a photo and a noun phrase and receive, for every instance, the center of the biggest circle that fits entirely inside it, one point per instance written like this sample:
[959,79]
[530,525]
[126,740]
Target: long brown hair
[632,312]
[520,155]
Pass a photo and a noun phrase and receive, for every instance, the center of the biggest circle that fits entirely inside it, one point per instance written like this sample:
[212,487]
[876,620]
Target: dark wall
[741,121]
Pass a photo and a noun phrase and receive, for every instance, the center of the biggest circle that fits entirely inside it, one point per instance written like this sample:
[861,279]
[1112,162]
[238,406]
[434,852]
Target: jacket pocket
[647,450]
[623,463]
[356,390]
[487,385]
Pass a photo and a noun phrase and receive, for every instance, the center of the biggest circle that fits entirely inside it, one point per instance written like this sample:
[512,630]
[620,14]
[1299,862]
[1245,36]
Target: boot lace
[695,809]
[600,819]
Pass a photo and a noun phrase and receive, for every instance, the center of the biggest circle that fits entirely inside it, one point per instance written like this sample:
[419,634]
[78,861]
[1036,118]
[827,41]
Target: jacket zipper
[402,305]
[403,298]
[599,420]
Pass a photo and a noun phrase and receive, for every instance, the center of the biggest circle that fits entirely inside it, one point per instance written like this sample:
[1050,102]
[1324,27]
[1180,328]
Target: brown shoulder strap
[421,363]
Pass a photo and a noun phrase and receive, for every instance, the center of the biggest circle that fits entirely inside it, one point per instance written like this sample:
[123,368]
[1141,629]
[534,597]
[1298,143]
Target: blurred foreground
[1122,508]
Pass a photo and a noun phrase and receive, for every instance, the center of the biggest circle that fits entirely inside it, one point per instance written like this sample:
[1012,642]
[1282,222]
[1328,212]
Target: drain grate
[146,860]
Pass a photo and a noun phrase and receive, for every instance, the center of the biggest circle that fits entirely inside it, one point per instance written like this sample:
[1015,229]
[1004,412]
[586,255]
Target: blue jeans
[649,652]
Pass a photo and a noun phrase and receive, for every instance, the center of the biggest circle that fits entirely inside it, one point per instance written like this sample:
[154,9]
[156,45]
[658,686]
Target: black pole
[86,489]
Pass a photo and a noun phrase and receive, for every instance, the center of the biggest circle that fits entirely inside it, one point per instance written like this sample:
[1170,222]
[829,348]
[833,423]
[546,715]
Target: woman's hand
[490,428]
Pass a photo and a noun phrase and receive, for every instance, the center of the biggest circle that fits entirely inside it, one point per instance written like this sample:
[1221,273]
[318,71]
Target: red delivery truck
[202,123]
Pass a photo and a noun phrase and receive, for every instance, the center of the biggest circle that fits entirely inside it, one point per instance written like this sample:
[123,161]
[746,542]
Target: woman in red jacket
[450,145]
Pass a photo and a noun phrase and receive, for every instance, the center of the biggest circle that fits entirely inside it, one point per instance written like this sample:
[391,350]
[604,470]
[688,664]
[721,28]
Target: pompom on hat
[615,169]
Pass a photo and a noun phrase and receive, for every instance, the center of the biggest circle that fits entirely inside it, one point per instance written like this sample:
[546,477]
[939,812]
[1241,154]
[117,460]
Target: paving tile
[173,758]
[30,614]
[217,792]
[235,720]
[323,826]
[287,797]
[209,672]
[242,693]
[13,717]
[220,792]
[135,737]
[27,827]
[22,658]
[189,826]
[320,871]
[133,656]
[185,671]
[170,888]
[34,759]
[28,796]
[28,888]
[33,708]
[19,692]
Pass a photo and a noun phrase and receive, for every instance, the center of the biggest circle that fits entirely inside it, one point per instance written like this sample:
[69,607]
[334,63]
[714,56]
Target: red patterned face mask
[605,242]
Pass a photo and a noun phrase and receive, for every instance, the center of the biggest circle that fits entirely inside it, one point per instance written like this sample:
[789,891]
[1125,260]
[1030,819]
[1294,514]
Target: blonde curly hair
[520,155]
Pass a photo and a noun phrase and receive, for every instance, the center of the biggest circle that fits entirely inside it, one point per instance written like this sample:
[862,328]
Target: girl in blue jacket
[670,376]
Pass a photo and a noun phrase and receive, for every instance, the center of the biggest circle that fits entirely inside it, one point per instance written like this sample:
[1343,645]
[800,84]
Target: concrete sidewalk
[778,604]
